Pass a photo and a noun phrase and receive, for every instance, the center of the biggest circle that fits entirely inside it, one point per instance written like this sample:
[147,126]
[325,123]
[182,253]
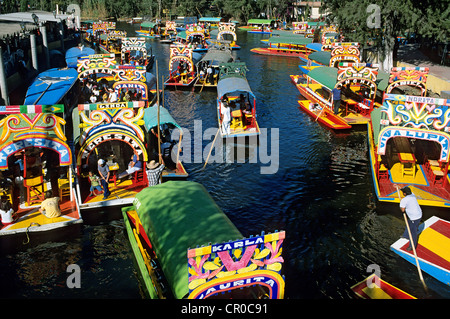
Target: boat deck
[420,184]
[28,218]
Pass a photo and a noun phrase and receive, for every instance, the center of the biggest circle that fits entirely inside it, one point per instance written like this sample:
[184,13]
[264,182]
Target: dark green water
[321,194]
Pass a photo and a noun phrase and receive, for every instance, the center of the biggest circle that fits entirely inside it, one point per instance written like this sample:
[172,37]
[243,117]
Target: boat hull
[323,115]
[279,52]
[433,249]
[374,287]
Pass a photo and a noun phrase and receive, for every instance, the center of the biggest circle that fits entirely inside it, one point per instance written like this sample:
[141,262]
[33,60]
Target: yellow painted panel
[436,242]
[376,293]
[36,217]
[397,178]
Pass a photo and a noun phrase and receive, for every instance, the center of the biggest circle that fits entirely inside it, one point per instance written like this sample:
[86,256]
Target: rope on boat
[28,237]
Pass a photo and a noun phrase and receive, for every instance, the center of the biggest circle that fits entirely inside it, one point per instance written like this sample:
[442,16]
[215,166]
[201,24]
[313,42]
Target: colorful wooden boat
[35,158]
[409,143]
[433,249]
[112,131]
[261,26]
[137,51]
[234,93]
[111,42]
[323,115]
[194,37]
[373,287]
[213,58]
[170,145]
[182,72]
[225,35]
[166,224]
[149,29]
[169,33]
[299,27]
[358,83]
[291,46]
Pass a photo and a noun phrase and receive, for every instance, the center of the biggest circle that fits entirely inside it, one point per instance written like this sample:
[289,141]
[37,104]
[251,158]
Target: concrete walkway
[411,55]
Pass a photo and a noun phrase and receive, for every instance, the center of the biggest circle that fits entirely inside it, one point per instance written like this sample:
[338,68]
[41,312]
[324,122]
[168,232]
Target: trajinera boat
[373,287]
[111,42]
[169,33]
[137,51]
[236,103]
[211,61]
[286,46]
[194,36]
[409,142]
[262,26]
[35,160]
[111,130]
[165,226]
[149,29]
[433,249]
[359,83]
[182,71]
[169,141]
[224,35]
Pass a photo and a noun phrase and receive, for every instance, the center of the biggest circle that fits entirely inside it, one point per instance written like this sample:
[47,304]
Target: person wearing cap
[154,170]
[411,207]
[103,170]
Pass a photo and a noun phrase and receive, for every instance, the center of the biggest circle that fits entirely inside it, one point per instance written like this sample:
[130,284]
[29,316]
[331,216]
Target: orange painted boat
[324,115]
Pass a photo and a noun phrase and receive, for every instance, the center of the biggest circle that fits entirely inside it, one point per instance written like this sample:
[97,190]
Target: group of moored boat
[407,133]
[105,108]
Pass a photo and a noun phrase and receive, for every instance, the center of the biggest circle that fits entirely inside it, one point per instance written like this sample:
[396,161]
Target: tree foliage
[426,18]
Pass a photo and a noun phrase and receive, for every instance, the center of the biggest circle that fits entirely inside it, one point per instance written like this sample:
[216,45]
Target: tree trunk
[388,44]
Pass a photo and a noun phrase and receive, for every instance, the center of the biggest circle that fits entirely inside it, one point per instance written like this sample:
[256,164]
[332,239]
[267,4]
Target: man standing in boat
[154,170]
[411,207]
[103,170]
[336,98]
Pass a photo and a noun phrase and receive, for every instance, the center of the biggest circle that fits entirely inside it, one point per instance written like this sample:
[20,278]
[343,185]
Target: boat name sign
[442,138]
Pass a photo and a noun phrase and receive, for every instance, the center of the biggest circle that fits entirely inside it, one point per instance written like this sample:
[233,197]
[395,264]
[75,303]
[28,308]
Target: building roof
[10,23]
[9,28]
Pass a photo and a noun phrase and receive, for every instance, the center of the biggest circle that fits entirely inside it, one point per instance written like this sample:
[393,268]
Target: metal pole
[61,32]
[45,46]
[3,83]
[34,58]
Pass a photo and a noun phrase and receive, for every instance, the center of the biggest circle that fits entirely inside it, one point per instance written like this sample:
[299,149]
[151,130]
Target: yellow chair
[35,189]
[64,187]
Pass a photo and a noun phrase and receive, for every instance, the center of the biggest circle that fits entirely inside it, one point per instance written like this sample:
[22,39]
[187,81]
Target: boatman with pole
[411,207]
[336,94]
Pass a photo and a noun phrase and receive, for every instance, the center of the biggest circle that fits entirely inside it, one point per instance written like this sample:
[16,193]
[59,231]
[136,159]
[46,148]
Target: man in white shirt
[411,207]
[112,96]
[226,118]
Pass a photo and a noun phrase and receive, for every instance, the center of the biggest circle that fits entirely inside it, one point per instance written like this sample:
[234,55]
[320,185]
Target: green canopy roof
[290,40]
[325,75]
[148,24]
[322,57]
[151,117]
[177,216]
[259,21]
[211,19]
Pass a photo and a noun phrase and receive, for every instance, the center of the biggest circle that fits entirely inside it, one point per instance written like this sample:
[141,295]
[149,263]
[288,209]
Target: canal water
[307,180]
